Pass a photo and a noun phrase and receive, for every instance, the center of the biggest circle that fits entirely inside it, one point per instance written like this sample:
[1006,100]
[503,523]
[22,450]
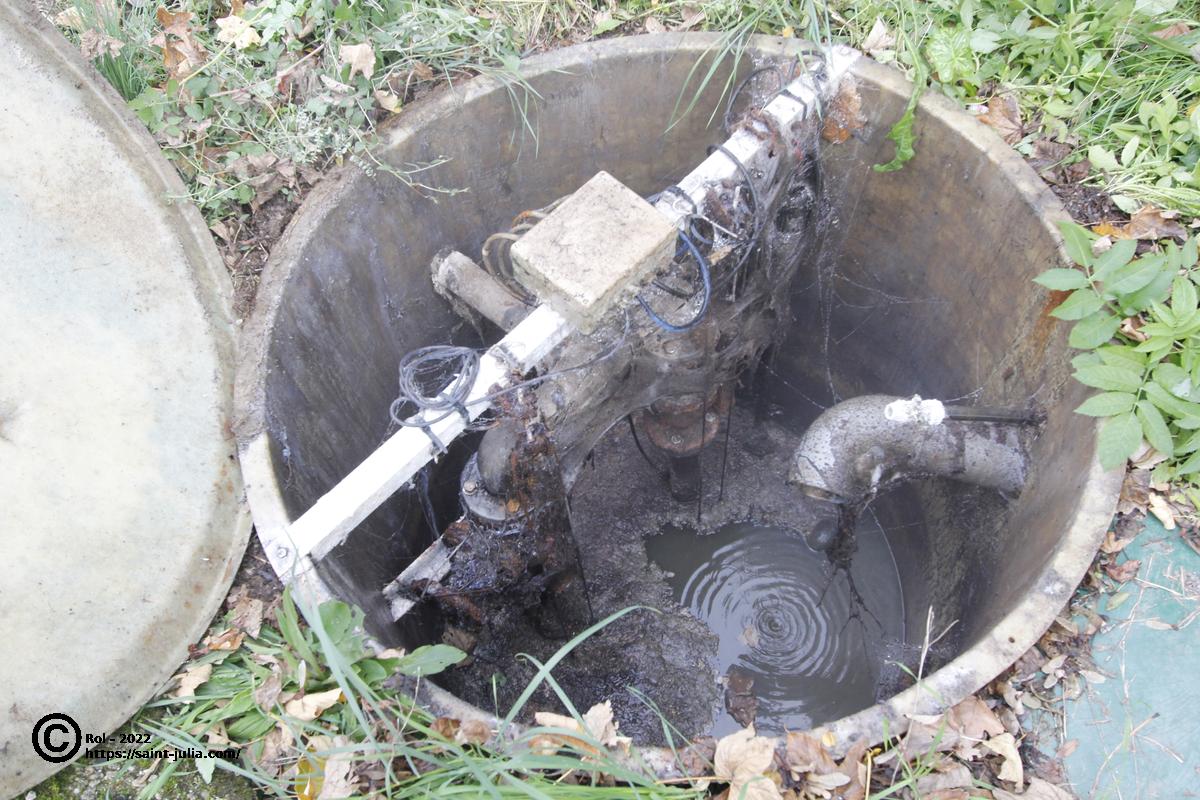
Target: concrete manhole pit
[738,450]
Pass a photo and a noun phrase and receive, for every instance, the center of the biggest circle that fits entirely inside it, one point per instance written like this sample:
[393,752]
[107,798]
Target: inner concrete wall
[923,286]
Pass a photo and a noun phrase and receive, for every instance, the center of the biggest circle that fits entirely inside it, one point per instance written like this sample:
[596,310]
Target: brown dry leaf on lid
[1004,115]
[741,760]
[1005,746]
[311,706]
[1115,542]
[654,25]
[360,57]
[1124,571]
[181,52]
[973,719]
[192,679]
[1161,509]
[1038,789]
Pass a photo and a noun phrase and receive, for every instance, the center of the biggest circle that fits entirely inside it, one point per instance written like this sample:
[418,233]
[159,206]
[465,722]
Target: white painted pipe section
[397,460]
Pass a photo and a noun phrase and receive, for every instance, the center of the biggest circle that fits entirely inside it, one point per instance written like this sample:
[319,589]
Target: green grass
[1086,72]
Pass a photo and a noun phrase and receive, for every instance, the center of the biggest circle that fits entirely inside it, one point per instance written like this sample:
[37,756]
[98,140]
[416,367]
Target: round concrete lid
[123,519]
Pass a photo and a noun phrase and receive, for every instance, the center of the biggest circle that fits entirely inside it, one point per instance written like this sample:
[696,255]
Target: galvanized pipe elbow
[861,444]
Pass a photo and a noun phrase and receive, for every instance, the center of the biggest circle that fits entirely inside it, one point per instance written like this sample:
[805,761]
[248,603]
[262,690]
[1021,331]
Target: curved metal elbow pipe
[860,444]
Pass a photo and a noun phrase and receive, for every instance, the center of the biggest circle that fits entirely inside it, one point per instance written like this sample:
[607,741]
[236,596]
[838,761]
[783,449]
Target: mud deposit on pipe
[785,618]
[670,658]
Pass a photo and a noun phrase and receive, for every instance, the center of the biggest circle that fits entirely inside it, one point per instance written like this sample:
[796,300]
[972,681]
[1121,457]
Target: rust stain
[844,115]
[1040,334]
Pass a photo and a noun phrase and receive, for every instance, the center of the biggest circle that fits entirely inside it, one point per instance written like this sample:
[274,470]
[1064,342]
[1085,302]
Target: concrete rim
[1015,633]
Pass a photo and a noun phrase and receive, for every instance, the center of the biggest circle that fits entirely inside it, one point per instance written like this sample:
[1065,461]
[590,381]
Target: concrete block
[598,246]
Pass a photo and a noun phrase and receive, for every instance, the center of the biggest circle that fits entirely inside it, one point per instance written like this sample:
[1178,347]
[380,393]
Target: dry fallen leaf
[879,39]
[805,754]
[192,679]
[1038,789]
[654,25]
[70,18]
[311,706]
[272,755]
[599,723]
[741,759]
[338,781]
[248,616]
[473,731]
[230,639]
[954,776]
[973,719]
[180,50]
[1147,222]
[93,44]
[1005,746]
[266,694]
[1124,571]
[603,728]
[1171,31]
[1004,115]
[1160,508]
[237,32]
[387,101]
[360,57]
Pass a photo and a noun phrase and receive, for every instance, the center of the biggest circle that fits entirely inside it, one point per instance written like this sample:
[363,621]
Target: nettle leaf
[1119,438]
[1081,303]
[1062,279]
[1107,404]
[1154,428]
[1118,379]
[1078,242]
[1093,331]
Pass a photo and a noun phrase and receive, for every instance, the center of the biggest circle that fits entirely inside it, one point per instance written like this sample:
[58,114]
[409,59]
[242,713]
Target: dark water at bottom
[786,617]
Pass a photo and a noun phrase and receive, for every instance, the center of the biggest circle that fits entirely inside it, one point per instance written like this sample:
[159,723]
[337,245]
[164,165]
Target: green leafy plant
[1148,369]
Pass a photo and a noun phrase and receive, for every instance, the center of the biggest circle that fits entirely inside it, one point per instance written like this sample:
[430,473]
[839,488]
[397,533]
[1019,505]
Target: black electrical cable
[758,212]
[706,295]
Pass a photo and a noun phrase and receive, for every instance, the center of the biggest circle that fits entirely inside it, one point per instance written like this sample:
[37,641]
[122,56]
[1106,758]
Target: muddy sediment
[748,620]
